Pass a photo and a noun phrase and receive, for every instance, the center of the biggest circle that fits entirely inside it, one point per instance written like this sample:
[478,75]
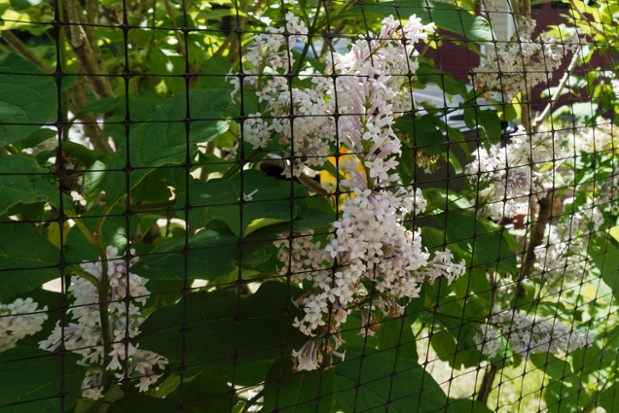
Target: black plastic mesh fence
[310,206]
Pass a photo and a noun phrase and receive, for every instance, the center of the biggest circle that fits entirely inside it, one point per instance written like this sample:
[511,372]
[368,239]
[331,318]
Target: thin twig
[97,136]
[486,384]
[84,51]
[538,230]
[312,185]
[24,51]
[232,41]
[91,10]
[77,270]
[555,97]
[77,94]
[181,45]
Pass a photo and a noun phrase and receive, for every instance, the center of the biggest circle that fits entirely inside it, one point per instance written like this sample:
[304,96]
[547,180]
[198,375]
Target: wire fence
[310,206]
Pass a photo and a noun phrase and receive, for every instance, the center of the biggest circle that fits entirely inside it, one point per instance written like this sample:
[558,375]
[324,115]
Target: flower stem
[486,384]
[106,337]
[76,270]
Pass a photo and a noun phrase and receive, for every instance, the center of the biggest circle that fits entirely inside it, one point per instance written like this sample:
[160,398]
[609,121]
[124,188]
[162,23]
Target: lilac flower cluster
[365,91]
[369,242]
[19,319]
[510,176]
[522,62]
[527,335]
[564,255]
[84,336]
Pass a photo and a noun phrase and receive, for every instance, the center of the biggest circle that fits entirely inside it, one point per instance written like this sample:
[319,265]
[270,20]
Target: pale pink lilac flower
[563,256]
[20,319]
[529,335]
[83,335]
[369,240]
[370,87]
[511,175]
[522,62]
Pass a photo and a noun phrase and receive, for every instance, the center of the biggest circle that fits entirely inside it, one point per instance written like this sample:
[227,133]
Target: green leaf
[427,73]
[273,201]
[36,137]
[446,16]
[423,133]
[609,397]
[28,259]
[83,154]
[489,120]
[33,380]
[210,254]
[23,181]
[467,405]
[382,379]
[302,392]
[218,69]
[164,140]
[141,108]
[563,397]
[27,99]
[94,180]
[474,282]
[455,345]
[20,5]
[487,243]
[605,256]
[406,166]
[200,394]
[167,137]
[552,366]
[510,113]
[227,336]
[397,333]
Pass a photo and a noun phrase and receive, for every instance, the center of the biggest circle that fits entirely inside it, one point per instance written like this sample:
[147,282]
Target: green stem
[486,384]
[84,229]
[62,61]
[23,50]
[99,226]
[76,270]
[10,149]
[310,33]
[180,47]
[104,297]
[103,287]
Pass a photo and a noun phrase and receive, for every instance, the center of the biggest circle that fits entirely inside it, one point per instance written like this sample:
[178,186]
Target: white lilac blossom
[600,137]
[522,62]
[369,241]
[84,335]
[510,175]
[19,319]
[563,257]
[528,335]
[311,131]
[368,86]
